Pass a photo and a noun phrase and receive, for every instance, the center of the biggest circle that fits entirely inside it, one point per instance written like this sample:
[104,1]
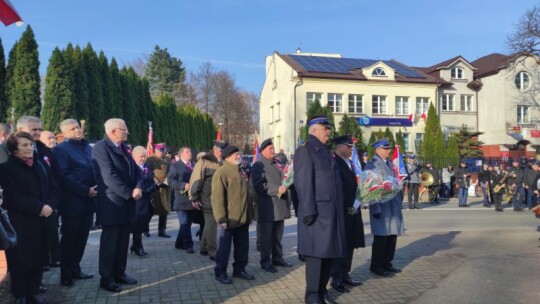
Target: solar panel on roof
[346,65]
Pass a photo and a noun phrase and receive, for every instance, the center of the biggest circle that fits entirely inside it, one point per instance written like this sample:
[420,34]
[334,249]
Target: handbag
[8,236]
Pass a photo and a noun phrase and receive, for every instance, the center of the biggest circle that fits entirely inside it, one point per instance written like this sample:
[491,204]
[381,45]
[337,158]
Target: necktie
[188,164]
[352,166]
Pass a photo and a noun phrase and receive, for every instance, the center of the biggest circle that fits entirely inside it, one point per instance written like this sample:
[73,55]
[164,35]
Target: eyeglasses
[122,129]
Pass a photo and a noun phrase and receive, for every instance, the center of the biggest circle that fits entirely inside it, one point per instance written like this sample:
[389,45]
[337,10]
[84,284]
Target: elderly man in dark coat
[354,226]
[75,175]
[178,177]
[119,186]
[272,207]
[321,223]
[386,218]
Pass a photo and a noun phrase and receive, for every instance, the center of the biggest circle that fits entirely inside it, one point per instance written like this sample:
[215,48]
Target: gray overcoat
[391,219]
[266,178]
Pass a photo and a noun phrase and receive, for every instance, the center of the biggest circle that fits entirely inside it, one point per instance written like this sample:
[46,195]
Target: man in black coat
[354,226]
[178,179]
[5,131]
[321,223]
[119,185]
[75,175]
[272,207]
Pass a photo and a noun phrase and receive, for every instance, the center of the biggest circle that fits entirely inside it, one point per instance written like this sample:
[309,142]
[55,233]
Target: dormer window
[523,81]
[378,72]
[457,73]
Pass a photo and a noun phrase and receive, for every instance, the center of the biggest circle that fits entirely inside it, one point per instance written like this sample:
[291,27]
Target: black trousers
[497,199]
[436,189]
[75,230]
[413,195]
[113,249]
[162,223]
[317,275]
[53,240]
[270,245]
[239,238]
[383,250]
[25,283]
[342,266]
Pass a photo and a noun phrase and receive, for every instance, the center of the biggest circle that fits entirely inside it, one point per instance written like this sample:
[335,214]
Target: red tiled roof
[490,64]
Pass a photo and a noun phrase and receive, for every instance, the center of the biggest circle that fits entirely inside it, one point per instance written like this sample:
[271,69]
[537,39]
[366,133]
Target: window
[272,114]
[355,104]
[422,105]
[278,142]
[312,97]
[378,72]
[457,73]
[467,103]
[378,104]
[447,102]
[523,115]
[278,111]
[405,141]
[402,105]
[418,140]
[335,102]
[523,81]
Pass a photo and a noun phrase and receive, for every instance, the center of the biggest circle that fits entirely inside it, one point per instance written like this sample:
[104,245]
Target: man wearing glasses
[386,219]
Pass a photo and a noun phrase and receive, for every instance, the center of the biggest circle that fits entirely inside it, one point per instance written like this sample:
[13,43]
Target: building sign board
[367,121]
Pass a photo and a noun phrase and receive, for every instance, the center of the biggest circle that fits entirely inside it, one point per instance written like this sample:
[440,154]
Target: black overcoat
[320,193]
[354,226]
[143,206]
[117,175]
[26,191]
[178,176]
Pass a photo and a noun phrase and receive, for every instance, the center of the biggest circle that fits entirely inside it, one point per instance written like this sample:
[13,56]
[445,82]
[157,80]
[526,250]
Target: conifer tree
[452,151]
[165,73]
[25,94]
[388,134]
[400,142]
[3,97]
[107,86]
[431,145]
[59,92]
[369,149]
[95,92]
[10,81]
[115,104]
[82,102]
[349,125]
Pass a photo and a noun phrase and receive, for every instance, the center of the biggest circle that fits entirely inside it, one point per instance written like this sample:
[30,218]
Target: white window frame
[335,102]
[521,83]
[406,141]
[467,103]
[311,97]
[422,105]
[378,72]
[523,114]
[457,73]
[448,103]
[356,103]
[402,105]
[378,102]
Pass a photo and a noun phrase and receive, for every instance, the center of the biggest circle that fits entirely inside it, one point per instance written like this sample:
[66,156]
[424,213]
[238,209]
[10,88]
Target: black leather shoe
[66,281]
[282,263]
[223,279]
[339,286]
[349,281]
[190,250]
[35,299]
[125,279]
[243,275]
[213,258]
[393,269]
[302,257]
[164,235]
[83,276]
[111,286]
[269,268]
[42,289]
[327,300]
[380,271]
[54,264]
[138,251]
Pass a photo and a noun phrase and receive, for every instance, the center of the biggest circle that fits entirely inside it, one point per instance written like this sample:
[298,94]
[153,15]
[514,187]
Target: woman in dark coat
[29,199]
[143,206]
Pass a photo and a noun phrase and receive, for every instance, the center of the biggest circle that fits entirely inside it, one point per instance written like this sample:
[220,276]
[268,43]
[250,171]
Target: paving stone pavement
[168,275]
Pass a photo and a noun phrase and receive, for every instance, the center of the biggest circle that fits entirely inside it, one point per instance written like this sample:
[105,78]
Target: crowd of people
[48,185]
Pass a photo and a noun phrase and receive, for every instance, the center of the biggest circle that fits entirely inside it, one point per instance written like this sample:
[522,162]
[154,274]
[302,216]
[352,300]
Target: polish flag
[150,145]
[8,14]
[411,117]
[424,116]
[218,136]
[399,166]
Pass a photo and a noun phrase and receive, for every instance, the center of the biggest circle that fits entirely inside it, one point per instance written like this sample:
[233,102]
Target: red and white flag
[150,145]
[424,116]
[8,14]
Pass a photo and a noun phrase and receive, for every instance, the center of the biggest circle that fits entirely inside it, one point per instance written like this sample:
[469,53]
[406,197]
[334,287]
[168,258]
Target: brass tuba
[426,179]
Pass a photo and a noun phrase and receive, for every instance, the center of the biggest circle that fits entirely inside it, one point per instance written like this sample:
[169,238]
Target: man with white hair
[119,186]
[75,175]
[48,139]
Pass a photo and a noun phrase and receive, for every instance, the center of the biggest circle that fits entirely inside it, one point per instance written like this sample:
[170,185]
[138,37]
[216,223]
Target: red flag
[218,136]
[399,165]
[424,116]
[256,152]
[150,145]
[8,14]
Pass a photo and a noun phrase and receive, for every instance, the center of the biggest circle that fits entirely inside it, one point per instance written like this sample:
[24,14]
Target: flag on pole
[8,14]
[399,165]
[424,116]
[150,145]
[256,152]
[218,136]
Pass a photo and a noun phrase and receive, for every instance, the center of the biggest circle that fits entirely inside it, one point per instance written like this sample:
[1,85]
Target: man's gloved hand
[309,220]
[377,216]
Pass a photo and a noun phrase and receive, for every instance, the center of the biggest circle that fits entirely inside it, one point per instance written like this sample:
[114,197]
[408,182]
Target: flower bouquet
[376,187]
[287,178]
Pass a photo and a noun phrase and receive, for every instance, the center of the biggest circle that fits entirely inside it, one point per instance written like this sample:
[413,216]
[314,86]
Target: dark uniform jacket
[530,176]
[484,175]
[515,176]
[463,177]
[75,175]
[266,178]
[354,226]
[26,191]
[178,176]
[320,193]
[496,179]
[117,175]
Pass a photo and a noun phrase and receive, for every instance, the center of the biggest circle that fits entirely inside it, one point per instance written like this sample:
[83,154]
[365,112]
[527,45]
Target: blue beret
[382,143]
[412,156]
[364,154]
[320,120]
